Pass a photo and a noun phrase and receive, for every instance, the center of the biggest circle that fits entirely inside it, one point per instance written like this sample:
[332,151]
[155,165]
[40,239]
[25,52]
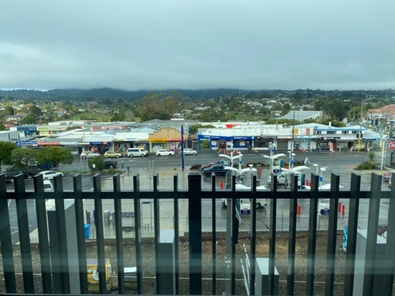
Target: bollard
[222,184]
[344,210]
[259,171]
[299,209]
[340,207]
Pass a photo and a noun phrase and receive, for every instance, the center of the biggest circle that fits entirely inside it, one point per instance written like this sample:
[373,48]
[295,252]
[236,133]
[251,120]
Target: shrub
[96,163]
[368,166]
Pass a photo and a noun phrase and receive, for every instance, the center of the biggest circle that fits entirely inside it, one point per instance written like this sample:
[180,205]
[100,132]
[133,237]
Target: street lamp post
[360,125]
[363,102]
[383,150]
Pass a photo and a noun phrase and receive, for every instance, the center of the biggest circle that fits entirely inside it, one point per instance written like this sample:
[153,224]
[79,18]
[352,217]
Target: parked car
[49,175]
[189,151]
[112,154]
[217,169]
[164,152]
[136,152]
[89,154]
[223,162]
[10,174]
[110,163]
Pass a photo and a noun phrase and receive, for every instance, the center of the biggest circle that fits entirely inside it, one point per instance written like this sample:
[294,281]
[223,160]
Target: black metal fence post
[311,248]
[195,233]
[118,231]
[332,234]
[24,238]
[352,234]
[6,240]
[137,230]
[101,260]
[371,240]
[293,203]
[42,229]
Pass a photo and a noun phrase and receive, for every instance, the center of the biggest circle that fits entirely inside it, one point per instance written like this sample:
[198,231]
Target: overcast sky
[133,45]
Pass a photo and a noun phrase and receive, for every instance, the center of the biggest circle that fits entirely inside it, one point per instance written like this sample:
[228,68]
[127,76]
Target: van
[136,152]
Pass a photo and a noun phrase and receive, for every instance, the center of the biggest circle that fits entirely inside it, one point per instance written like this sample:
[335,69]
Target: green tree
[118,117]
[3,127]
[5,152]
[170,104]
[22,158]
[210,115]
[193,129]
[35,112]
[55,155]
[334,122]
[9,110]
[96,164]
[153,106]
[29,119]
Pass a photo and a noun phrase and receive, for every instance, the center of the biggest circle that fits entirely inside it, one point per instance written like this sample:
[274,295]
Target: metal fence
[54,261]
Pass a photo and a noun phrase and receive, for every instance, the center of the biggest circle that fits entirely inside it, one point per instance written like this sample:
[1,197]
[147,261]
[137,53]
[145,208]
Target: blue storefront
[226,142]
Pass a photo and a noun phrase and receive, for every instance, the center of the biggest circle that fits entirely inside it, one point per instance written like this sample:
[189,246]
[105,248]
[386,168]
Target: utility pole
[360,126]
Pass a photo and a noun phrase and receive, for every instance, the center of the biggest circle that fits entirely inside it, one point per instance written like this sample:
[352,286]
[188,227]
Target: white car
[164,152]
[49,175]
[48,187]
[189,151]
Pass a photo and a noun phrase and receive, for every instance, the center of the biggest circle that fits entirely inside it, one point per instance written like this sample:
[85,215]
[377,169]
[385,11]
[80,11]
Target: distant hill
[103,93]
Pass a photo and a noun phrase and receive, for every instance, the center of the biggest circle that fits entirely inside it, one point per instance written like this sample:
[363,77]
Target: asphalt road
[339,163]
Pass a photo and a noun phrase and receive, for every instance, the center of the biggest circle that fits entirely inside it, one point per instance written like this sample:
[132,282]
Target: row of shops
[303,137]
[101,138]
[79,140]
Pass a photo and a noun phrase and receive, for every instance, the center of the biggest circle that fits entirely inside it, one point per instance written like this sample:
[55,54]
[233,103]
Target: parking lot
[166,176]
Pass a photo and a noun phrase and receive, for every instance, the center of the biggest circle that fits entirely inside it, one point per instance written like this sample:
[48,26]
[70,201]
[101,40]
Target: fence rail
[54,232]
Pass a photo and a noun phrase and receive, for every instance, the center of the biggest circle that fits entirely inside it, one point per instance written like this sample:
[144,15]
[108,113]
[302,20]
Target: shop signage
[98,143]
[391,145]
[48,143]
[28,142]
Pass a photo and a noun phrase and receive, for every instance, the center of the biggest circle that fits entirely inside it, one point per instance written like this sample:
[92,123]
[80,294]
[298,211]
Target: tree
[334,122]
[35,111]
[170,104]
[154,106]
[9,110]
[118,117]
[54,156]
[5,152]
[29,119]
[193,129]
[22,158]
[96,164]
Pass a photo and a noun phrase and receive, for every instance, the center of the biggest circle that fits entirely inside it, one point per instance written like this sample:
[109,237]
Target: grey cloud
[197,44]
